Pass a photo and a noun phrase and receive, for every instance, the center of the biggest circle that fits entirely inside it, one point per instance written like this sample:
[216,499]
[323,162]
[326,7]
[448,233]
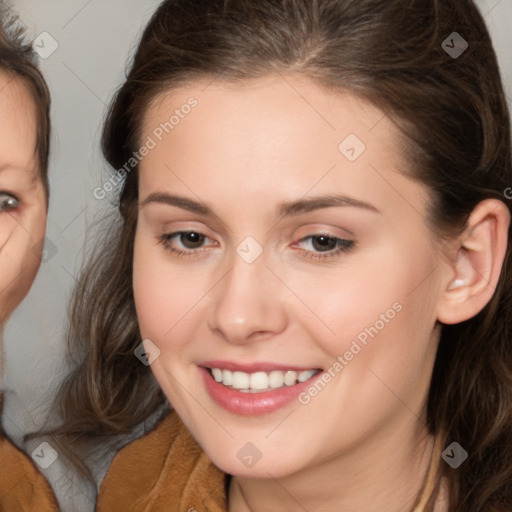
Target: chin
[244,459]
[261,469]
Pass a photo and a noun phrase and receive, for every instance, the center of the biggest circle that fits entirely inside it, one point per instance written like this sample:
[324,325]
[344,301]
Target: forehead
[287,114]
[270,100]
[273,138]
[18,124]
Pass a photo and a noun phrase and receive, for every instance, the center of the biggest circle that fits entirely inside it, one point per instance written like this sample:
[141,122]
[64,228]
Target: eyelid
[174,234]
[342,246]
[342,243]
[316,235]
[10,194]
[188,226]
[166,241]
[322,229]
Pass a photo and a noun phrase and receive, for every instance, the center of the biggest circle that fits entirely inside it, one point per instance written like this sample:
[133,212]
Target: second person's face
[22,195]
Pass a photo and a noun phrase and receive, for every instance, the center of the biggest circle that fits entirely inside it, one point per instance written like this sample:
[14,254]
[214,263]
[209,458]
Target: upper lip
[255,366]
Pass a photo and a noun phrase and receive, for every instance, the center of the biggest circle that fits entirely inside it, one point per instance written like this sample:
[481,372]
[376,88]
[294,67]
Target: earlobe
[476,269]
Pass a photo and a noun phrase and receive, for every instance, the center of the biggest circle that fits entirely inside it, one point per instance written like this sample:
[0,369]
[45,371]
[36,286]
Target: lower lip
[252,404]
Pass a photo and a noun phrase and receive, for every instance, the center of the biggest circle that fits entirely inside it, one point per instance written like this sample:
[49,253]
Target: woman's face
[278,241]
[22,195]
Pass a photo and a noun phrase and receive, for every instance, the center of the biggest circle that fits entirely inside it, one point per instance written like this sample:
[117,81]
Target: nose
[248,304]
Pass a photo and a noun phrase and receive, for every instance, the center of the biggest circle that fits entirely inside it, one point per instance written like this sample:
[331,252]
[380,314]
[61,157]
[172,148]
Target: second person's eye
[8,202]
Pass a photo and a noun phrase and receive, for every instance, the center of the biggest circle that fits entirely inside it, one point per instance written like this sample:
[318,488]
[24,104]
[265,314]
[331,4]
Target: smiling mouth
[260,382]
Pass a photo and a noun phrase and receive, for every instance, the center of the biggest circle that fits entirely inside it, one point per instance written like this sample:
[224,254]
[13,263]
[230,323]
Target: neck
[387,477]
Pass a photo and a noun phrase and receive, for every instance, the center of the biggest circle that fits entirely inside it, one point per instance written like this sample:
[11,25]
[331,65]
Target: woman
[314,246]
[24,147]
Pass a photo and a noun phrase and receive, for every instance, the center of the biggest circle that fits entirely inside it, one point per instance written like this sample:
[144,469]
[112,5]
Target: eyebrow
[286,209]
[35,173]
[306,205]
[4,167]
[180,202]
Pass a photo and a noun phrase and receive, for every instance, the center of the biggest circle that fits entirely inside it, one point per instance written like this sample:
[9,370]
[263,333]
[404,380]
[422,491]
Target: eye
[189,240]
[324,246]
[186,242]
[8,202]
[322,243]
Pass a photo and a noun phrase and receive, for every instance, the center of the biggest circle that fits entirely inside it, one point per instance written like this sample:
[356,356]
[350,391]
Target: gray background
[95,38]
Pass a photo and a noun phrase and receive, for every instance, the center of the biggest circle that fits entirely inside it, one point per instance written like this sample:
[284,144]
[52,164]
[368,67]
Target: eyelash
[165,240]
[4,197]
[342,246]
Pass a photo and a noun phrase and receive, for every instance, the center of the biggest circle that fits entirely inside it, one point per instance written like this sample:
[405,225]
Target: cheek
[19,256]
[385,333]
[355,295]
[165,298]
[379,309]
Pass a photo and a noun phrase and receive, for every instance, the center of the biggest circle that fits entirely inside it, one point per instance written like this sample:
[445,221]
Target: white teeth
[290,378]
[306,375]
[240,380]
[217,374]
[275,379]
[260,381]
[227,377]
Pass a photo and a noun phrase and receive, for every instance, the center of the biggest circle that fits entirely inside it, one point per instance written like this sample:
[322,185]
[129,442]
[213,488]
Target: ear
[476,263]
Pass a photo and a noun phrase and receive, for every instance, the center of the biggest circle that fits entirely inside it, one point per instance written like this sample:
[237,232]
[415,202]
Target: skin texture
[245,150]
[22,225]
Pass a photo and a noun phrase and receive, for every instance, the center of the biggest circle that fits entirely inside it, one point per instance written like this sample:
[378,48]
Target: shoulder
[22,487]
[161,471]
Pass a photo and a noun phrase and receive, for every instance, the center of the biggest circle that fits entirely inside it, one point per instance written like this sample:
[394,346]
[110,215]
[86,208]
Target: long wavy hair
[455,126]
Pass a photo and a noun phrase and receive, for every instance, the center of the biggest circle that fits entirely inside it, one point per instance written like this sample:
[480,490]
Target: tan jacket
[22,487]
[164,471]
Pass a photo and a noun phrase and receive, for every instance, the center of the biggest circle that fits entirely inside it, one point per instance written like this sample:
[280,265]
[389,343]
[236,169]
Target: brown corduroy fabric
[164,471]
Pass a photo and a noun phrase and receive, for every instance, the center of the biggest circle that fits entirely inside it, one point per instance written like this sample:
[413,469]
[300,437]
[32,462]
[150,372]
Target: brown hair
[456,130]
[18,59]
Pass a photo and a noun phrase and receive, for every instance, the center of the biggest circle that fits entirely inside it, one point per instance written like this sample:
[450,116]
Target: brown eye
[323,243]
[192,240]
[322,247]
[8,202]
[187,243]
